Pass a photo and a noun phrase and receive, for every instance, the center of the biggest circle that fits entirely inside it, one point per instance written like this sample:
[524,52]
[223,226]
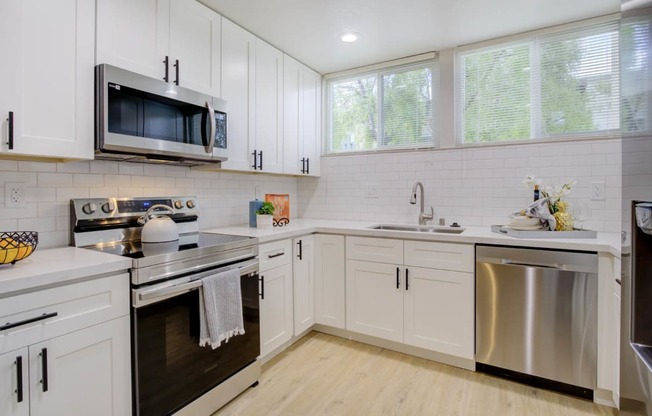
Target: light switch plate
[597,191]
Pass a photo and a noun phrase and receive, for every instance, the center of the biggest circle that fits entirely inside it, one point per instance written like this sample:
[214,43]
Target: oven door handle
[169,290]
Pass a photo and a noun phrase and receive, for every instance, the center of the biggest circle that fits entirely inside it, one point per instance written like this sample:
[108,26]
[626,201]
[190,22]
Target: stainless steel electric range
[172,374]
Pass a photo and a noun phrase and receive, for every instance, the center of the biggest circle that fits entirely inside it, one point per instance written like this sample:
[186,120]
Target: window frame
[379,71]
[533,39]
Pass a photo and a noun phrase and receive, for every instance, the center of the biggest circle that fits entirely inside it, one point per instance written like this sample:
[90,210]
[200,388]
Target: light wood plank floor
[327,375]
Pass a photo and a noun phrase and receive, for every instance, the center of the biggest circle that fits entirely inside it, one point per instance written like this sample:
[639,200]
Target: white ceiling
[308,29]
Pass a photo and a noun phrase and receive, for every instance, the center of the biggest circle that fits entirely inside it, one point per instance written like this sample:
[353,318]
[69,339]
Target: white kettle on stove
[157,226]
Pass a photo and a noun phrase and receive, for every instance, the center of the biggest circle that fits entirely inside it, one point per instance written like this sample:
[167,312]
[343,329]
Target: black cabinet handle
[255,165]
[407,278]
[398,282]
[176,70]
[300,256]
[44,363]
[260,166]
[19,379]
[303,165]
[10,325]
[262,287]
[10,136]
[307,166]
[166,78]
[279,254]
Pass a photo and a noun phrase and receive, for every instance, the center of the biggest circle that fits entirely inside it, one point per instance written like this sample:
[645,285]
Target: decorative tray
[544,234]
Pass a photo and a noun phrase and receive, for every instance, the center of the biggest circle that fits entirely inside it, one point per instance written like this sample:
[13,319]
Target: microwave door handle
[211,117]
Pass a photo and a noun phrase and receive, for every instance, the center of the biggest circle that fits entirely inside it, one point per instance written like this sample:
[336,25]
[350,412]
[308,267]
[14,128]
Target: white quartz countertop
[55,266]
[604,243]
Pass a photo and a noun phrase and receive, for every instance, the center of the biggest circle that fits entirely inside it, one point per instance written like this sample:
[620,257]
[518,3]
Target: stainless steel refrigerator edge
[636,126]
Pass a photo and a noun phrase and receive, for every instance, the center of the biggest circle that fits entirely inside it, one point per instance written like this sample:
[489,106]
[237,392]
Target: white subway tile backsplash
[54,180]
[473,186]
[74,167]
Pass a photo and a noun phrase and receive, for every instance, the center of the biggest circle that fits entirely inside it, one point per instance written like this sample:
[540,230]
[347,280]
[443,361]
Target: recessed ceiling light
[349,37]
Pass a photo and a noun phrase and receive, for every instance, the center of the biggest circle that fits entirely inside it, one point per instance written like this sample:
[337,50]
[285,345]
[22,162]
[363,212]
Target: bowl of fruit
[17,245]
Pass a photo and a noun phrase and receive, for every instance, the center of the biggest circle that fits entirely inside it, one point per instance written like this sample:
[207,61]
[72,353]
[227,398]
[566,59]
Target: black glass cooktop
[138,250]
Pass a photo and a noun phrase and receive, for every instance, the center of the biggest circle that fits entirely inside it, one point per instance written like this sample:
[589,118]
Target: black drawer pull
[176,69]
[10,325]
[255,165]
[44,362]
[407,279]
[10,137]
[307,166]
[398,282]
[19,379]
[303,165]
[262,287]
[260,165]
[300,256]
[271,256]
[166,78]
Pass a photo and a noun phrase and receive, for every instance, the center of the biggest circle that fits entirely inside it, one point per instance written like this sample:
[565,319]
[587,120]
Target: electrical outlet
[597,191]
[371,190]
[15,195]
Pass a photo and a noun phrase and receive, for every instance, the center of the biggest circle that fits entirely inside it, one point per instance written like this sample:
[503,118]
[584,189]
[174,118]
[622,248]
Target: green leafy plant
[266,209]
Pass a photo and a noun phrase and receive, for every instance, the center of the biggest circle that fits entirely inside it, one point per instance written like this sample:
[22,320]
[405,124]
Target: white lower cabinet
[303,274]
[276,303]
[86,372]
[431,308]
[330,282]
[374,299]
[439,311]
[75,358]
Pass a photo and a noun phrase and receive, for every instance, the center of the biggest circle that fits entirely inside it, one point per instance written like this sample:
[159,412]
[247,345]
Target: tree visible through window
[388,110]
[548,86]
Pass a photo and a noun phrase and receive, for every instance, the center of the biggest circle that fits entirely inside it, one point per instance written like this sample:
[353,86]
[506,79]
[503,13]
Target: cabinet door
[275,308]
[302,118]
[269,106]
[439,311]
[134,35]
[374,299]
[14,380]
[310,120]
[292,149]
[330,284]
[47,77]
[88,372]
[238,89]
[303,274]
[195,43]
[616,342]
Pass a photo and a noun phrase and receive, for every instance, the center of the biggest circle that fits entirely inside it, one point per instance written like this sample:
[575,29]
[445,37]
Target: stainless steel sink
[419,228]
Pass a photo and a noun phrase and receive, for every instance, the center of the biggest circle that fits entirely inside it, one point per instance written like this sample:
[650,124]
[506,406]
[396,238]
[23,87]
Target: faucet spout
[423,217]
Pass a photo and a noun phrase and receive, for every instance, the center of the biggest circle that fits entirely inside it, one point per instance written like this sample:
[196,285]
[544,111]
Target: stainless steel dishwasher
[536,317]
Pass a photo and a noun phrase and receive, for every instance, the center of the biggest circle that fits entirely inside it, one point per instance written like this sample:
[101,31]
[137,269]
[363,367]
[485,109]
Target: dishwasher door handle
[526,264]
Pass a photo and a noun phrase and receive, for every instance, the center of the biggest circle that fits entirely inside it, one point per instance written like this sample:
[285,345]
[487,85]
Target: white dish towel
[220,308]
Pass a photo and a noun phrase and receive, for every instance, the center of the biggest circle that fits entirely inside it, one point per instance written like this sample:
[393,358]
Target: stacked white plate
[524,223]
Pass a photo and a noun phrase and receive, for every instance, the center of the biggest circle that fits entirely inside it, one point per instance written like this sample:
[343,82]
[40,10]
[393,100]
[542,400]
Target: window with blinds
[554,85]
[636,60]
[384,110]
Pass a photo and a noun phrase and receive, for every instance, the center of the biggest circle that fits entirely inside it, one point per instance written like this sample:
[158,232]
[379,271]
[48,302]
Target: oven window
[138,113]
[171,370]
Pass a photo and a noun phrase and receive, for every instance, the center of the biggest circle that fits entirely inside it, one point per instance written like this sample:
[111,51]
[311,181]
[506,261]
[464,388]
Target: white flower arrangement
[554,194]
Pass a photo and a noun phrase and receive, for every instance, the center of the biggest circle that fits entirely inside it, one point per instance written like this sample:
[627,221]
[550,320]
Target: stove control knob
[89,208]
[178,204]
[108,207]
[190,204]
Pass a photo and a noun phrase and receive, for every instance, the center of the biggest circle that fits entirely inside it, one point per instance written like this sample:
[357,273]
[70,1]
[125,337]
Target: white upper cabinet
[174,40]
[238,87]
[195,32]
[269,108]
[134,35]
[302,118]
[46,78]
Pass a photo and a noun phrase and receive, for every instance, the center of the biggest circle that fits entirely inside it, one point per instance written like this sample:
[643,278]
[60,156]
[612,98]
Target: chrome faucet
[423,217]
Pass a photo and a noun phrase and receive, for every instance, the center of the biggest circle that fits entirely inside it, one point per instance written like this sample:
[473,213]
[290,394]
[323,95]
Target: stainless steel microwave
[138,118]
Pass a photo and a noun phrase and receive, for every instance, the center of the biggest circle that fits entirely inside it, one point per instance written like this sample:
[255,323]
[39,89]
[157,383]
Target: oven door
[170,368]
